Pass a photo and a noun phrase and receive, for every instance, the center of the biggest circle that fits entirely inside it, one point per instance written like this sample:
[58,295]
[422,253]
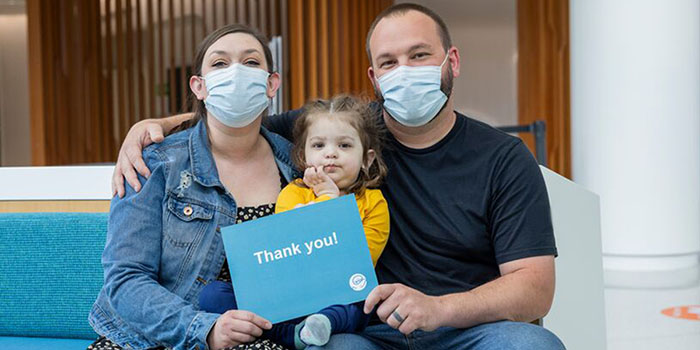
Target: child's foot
[316,330]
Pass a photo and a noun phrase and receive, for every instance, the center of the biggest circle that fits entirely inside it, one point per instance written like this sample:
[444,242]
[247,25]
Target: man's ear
[453,52]
[199,89]
[273,83]
[372,78]
[371,157]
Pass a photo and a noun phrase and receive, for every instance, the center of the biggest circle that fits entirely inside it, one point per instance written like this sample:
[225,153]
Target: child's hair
[360,116]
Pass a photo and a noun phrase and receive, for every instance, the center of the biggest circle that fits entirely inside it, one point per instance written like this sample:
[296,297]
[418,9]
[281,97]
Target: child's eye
[345,145]
[317,145]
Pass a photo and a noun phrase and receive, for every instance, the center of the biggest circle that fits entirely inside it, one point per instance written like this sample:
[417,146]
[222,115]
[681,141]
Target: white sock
[316,330]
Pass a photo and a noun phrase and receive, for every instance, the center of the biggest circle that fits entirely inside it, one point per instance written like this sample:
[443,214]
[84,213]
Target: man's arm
[147,131]
[524,292]
[130,160]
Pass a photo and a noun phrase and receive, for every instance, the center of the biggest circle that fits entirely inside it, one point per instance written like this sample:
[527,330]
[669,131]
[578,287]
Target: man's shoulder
[481,129]
[485,138]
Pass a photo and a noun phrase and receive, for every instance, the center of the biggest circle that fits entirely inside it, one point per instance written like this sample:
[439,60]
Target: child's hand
[320,182]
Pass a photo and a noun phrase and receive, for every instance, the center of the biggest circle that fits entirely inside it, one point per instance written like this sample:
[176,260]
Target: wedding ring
[397,316]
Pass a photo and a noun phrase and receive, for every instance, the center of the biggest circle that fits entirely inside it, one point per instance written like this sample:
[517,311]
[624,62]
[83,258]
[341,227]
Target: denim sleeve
[131,262]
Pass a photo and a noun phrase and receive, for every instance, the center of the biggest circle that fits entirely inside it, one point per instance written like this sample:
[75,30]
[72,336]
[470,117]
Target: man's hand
[139,136]
[236,327]
[316,179]
[404,308]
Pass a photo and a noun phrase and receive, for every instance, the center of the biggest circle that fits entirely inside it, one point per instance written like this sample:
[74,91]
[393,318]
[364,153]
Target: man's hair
[402,9]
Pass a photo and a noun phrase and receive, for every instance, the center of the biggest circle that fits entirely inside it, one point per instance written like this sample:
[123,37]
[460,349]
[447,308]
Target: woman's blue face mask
[412,94]
[237,94]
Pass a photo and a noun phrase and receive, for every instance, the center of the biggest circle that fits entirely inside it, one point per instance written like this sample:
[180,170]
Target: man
[471,248]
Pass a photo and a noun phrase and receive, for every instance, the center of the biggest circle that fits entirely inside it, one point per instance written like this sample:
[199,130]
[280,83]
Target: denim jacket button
[218,228]
[187,211]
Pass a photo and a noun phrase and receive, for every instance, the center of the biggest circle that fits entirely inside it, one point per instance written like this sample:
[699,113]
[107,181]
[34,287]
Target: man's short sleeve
[283,123]
[520,218]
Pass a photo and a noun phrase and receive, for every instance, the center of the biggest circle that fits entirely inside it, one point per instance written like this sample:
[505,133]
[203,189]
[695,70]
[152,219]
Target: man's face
[410,39]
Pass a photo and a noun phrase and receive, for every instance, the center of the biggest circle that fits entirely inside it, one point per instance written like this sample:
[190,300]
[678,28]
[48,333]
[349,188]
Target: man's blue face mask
[237,94]
[412,95]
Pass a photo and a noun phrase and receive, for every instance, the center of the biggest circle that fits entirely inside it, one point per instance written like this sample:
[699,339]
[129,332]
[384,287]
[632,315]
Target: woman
[164,242]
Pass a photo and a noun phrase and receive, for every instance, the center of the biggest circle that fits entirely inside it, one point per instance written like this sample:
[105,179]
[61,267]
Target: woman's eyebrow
[251,51]
[218,52]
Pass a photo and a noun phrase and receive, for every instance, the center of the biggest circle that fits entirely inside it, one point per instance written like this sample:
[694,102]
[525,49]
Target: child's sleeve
[293,195]
[289,197]
[376,224]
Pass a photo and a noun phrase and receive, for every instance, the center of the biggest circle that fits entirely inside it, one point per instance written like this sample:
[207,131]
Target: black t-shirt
[459,208]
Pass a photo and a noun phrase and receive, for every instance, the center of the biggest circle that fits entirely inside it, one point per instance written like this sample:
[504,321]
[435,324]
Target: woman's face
[228,50]
[234,48]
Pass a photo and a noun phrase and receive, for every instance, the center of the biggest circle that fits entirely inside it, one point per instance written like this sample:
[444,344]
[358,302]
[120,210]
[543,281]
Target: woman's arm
[131,262]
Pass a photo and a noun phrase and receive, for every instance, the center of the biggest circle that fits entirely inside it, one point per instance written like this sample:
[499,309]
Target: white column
[635,127]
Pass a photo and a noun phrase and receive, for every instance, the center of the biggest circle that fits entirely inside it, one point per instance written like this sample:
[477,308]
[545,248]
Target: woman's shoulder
[172,147]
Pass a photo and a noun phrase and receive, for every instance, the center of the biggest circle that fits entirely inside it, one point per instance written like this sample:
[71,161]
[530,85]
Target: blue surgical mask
[237,94]
[412,94]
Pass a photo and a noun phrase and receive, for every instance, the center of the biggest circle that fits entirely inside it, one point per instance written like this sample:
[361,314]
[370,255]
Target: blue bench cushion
[25,343]
[51,273]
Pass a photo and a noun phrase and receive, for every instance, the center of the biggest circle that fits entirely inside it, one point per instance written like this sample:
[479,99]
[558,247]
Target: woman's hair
[360,116]
[197,106]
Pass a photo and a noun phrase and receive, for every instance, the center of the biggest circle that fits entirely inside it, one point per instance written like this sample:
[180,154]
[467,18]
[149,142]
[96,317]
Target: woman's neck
[235,144]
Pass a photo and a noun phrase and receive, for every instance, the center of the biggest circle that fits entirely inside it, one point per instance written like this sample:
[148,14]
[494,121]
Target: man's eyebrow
[412,48]
[384,55]
[419,46]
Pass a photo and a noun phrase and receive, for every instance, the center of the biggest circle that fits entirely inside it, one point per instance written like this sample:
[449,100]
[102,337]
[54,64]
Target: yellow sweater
[373,212]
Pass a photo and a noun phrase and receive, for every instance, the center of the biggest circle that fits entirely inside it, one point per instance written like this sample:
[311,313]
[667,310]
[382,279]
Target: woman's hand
[316,179]
[236,327]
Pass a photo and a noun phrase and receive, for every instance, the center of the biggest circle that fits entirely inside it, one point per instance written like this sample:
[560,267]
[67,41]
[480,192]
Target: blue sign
[298,262]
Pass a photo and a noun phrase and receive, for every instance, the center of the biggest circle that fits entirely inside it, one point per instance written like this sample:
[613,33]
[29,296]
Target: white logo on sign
[358,282]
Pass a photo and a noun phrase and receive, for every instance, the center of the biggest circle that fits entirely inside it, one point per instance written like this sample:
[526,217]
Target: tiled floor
[634,319]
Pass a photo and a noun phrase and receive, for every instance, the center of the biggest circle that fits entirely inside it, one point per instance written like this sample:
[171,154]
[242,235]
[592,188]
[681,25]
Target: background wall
[485,32]
[14,85]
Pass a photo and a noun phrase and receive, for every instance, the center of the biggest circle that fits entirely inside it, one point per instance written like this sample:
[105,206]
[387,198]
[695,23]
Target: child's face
[335,145]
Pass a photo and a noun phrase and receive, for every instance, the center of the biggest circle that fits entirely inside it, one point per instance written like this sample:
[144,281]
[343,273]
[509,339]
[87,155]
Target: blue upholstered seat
[50,275]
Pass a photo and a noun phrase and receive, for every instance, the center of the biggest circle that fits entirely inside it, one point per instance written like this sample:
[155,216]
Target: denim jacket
[164,244]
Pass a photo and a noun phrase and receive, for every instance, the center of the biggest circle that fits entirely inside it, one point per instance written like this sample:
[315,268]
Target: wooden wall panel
[96,67]
[327,47]
[543,76]
[67,206]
